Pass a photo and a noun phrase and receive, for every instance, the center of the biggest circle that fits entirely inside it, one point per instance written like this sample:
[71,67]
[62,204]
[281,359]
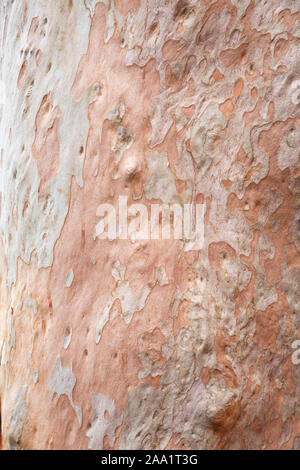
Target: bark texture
[153,344]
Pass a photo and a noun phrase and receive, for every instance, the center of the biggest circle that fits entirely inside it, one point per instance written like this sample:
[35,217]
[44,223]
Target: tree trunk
[112,337]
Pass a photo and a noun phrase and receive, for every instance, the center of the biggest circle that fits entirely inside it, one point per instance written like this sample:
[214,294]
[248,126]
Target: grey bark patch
[99,426]
[62,382]
[297,443]
[17,419]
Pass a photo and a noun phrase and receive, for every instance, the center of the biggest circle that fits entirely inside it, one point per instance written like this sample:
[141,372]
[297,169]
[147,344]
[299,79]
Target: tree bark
[129,343]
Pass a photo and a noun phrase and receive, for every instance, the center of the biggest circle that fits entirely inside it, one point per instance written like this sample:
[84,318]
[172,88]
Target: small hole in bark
[153,28]
[25,209]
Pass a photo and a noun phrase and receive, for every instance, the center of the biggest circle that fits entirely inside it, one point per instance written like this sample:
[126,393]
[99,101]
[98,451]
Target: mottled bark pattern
[150,344]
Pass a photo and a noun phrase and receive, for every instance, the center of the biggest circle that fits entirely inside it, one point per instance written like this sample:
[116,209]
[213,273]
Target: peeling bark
[129,343]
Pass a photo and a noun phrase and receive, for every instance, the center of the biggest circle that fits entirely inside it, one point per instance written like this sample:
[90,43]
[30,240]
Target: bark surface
[150,344]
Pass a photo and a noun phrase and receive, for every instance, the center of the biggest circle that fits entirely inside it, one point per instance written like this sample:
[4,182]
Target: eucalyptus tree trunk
[112,335]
